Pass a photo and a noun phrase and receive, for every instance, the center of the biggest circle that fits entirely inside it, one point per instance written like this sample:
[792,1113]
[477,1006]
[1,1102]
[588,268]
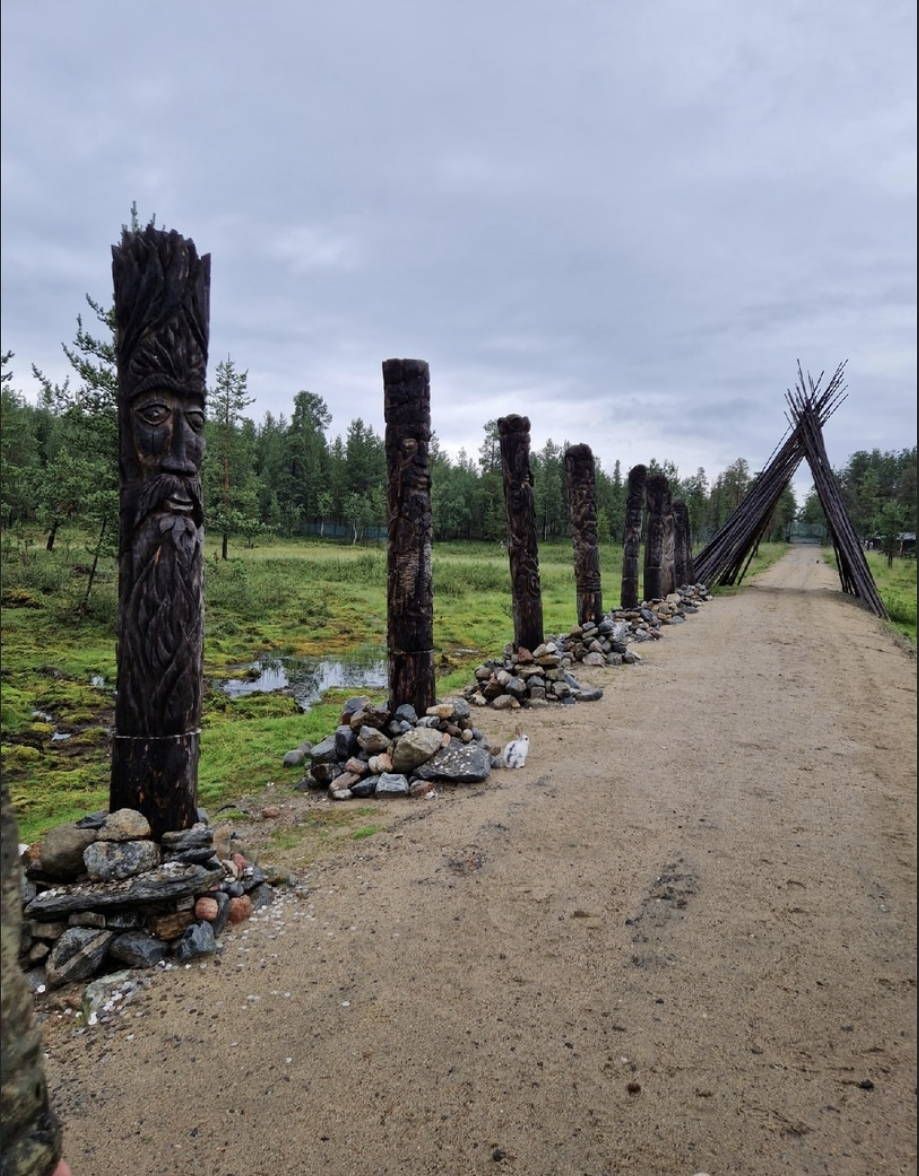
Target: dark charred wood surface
[668,545]
[410,592]
[631,548]
[580,484]
[656,491]
[161,312]
[683,572]
[522,546]
[30,1136]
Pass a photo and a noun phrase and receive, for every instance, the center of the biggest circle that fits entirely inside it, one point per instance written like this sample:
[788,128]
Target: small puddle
[308,678]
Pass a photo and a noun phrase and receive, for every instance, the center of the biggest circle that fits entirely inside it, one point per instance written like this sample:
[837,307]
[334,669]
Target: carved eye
[154,413]
[196,419]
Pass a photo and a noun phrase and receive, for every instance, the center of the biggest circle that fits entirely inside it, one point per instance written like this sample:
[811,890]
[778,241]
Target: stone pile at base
[101,894]
[376,751]
[524,678]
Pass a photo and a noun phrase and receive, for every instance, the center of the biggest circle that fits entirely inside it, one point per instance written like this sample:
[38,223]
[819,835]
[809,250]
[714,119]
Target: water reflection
[308,678]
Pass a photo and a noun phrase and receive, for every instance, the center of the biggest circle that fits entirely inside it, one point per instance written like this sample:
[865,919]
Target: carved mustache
[171,493]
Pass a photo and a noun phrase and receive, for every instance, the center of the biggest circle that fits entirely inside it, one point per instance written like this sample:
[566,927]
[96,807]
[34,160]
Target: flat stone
[172,880]
[346,780]
[630,657]
[337,793]
[171,926]
[196,837]
[93,820]
[201,856]
[102,995]
[505,702]
[138,950]
[87,919]
[112,861]
[594,658]
[359,702]
[125,825]
[59,854]
[441,710]
[415,748]
[76,955]
[391,784]
[588,694]
[460,763]
[196,940]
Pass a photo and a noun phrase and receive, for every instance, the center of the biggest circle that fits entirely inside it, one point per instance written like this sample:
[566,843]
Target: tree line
[287,475]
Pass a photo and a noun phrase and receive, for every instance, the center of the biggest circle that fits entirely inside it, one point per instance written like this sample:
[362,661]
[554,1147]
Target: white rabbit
[515,752]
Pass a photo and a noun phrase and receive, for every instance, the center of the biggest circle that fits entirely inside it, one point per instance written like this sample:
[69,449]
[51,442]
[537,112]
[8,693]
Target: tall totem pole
[580,482]
[657,491]
[162,293]
[683,570]
[522,548]
[634,506]
[410,594]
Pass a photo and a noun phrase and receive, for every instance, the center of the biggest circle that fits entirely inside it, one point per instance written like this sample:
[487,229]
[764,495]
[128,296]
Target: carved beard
[159,691]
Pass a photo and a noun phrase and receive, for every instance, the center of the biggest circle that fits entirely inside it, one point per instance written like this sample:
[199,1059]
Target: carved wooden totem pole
[30,1137]
[683,570]
[522,548]
[634,506]
[580,482]
[668,544]
[410,593]
[161,313]
[656,492]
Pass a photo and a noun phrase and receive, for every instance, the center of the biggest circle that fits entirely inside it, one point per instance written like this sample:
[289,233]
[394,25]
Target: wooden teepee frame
[726,558]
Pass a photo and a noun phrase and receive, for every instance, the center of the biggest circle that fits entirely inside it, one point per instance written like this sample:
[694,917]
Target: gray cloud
[627,221]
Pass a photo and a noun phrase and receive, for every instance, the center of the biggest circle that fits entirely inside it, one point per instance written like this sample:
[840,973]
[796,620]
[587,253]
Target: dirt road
[681,940]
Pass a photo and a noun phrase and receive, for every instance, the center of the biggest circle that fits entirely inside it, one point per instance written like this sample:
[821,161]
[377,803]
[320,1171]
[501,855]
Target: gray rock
[594,658]
[392,784]
[36,980]
[537,693]
[504,702]
[196,837]
[119,920]
[263,895]
[372,740]
[59,854]
[76,955]
[415,748]
[191,855]
[353,705]
[325,773]
[111,861]
[516,687]
[138,950]
[223,911]
[340,793]
[87,919]
[588,694]
[168,881]
[630,657]
[293,759]
[460,763]
[324,752]
[125,825]
[614,659]
[345,742]
[102,995]
[366,786]
[197,940]
[406,713]
[429,721]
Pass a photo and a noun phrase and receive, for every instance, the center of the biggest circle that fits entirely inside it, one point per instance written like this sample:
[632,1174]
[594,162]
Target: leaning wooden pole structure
[410,593]
[580,484]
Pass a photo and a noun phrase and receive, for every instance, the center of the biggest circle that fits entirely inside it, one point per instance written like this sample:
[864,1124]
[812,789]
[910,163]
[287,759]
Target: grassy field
[292,597]
[897,586]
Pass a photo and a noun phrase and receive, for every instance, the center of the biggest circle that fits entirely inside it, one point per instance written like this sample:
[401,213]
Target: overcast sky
[624,219]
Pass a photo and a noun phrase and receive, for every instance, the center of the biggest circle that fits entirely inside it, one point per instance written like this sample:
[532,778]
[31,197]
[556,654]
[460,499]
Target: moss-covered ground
[295,597]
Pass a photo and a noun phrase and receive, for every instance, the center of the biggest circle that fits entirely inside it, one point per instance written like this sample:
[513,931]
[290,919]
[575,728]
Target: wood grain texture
[522,546]
[580,485]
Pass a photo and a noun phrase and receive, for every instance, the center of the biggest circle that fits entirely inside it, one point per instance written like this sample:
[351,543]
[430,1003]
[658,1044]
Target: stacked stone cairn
[522,678]
[386,753]
[101,894]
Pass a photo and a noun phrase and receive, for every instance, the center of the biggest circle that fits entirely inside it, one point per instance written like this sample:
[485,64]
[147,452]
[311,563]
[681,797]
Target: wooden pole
[410,593]
[656,492]
[683,572]
[631,548]
[668,544]
[522,548]
[161,312]
[580,483]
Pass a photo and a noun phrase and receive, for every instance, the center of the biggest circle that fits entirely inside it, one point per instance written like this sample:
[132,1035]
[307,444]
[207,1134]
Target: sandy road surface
[702,886]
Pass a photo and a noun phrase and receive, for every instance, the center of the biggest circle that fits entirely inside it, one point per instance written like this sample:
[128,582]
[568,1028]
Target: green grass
[288,596]
[897,586]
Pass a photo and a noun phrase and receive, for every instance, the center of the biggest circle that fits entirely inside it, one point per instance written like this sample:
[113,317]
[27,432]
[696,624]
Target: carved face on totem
[166,428]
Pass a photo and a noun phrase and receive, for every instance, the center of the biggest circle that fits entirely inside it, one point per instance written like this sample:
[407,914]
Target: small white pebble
[346,1004]
[288,1060]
